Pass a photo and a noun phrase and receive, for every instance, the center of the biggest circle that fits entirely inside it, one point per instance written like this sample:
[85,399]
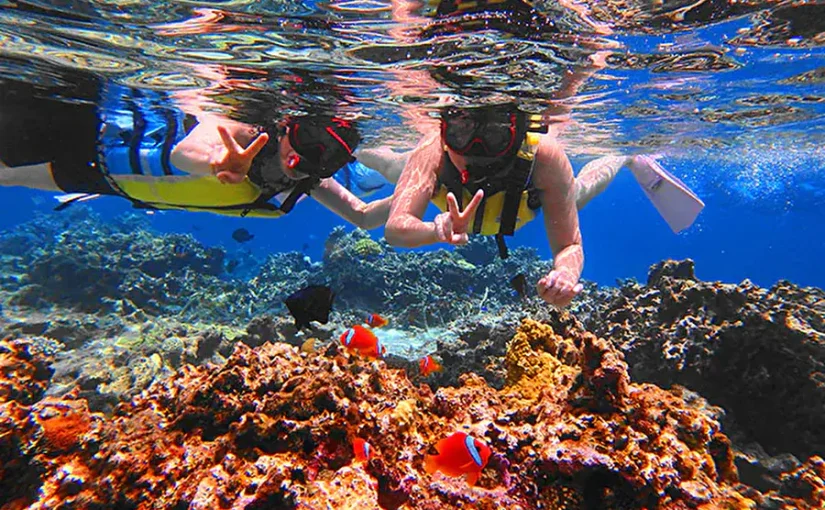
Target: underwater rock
[479,251]
[758,353]
[761,471]
[25,372]
[273,428]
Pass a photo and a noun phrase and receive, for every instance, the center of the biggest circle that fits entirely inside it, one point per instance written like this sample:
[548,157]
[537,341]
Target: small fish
[459,454]
[308,345]
[376,321]
[427,365]
[363,341]
[304,247]
[361,449]
[312,303]
[242,235]
[519,283]
[232,265]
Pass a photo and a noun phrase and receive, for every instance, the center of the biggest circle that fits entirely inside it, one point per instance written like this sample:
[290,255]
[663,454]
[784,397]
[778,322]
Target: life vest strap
[138,131]
[517,180]
[303,187]
[503,252]
[169,140]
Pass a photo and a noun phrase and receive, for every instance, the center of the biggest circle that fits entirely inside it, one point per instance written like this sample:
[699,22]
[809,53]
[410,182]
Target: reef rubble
[273,428]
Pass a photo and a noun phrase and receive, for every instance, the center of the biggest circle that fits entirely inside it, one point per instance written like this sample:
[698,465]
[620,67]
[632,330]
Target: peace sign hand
[231,163]
[451,226]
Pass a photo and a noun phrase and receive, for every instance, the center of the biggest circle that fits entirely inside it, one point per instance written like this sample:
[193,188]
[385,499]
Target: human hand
[451,226]
[231,163]
[559,287]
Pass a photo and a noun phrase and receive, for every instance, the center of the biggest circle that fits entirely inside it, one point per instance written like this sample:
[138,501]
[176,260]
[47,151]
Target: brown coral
[24,372]
[756,352]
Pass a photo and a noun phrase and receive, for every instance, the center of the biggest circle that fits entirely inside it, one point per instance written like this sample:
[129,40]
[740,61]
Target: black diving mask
[322,146]
[481,132]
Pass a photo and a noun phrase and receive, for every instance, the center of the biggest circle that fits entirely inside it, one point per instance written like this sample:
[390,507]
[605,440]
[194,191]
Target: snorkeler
[212,164]
[490,169]
[505,165]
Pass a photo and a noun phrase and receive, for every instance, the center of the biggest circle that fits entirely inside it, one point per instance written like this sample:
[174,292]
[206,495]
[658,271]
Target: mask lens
[483,135]
[497,137]
[459,131]
[305,140]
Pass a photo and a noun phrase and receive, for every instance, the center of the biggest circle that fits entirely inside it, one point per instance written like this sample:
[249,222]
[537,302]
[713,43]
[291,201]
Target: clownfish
[376,321]
[363,341]
[459,454]
[427,365]
[361,449]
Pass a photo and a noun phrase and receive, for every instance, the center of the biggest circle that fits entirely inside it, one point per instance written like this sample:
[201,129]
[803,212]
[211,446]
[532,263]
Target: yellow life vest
[205,193]
[488,220]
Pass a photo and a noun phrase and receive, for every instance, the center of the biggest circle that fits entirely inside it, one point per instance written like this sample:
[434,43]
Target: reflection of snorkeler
[55,145]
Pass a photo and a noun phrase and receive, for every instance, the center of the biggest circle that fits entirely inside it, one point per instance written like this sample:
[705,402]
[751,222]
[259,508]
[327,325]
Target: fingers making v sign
[452,226]
[232,162]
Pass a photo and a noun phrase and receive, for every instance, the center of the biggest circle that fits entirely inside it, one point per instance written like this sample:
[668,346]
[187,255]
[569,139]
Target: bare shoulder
[553,168]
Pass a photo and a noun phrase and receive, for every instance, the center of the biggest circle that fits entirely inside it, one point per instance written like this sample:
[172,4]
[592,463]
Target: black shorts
[38,127]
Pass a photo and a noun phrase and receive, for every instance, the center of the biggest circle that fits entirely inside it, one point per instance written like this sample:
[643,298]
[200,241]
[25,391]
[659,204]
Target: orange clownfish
[376,321]
[427,365]
[459,454]
[362,450]
[363,341]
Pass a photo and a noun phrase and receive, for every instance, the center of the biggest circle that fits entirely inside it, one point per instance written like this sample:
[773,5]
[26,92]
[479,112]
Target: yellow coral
[367,247]
[404,413]
[530,368]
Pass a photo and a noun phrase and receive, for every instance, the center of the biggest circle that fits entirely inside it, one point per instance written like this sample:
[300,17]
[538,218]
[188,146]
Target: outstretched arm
[342,202]
[553,176]
[412,194]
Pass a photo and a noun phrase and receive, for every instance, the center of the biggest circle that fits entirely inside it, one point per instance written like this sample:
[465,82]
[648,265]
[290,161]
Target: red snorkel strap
[340,140]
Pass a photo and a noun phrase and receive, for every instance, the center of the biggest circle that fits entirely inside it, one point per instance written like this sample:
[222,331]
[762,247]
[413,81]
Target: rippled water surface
[686,74]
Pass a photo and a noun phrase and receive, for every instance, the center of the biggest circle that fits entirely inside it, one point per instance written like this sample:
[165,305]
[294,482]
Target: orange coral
[63,424]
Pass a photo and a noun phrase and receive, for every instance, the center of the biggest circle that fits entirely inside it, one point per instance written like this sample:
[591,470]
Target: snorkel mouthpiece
[293,161]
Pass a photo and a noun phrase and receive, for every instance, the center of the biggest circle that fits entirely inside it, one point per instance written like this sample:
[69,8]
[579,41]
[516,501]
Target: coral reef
[758,353]
[272,428]
[88,266]
[516,373]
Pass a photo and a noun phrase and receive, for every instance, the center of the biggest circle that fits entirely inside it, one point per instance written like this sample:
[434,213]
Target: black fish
[519,282]
[232,265]
[309,304]
[242,235]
